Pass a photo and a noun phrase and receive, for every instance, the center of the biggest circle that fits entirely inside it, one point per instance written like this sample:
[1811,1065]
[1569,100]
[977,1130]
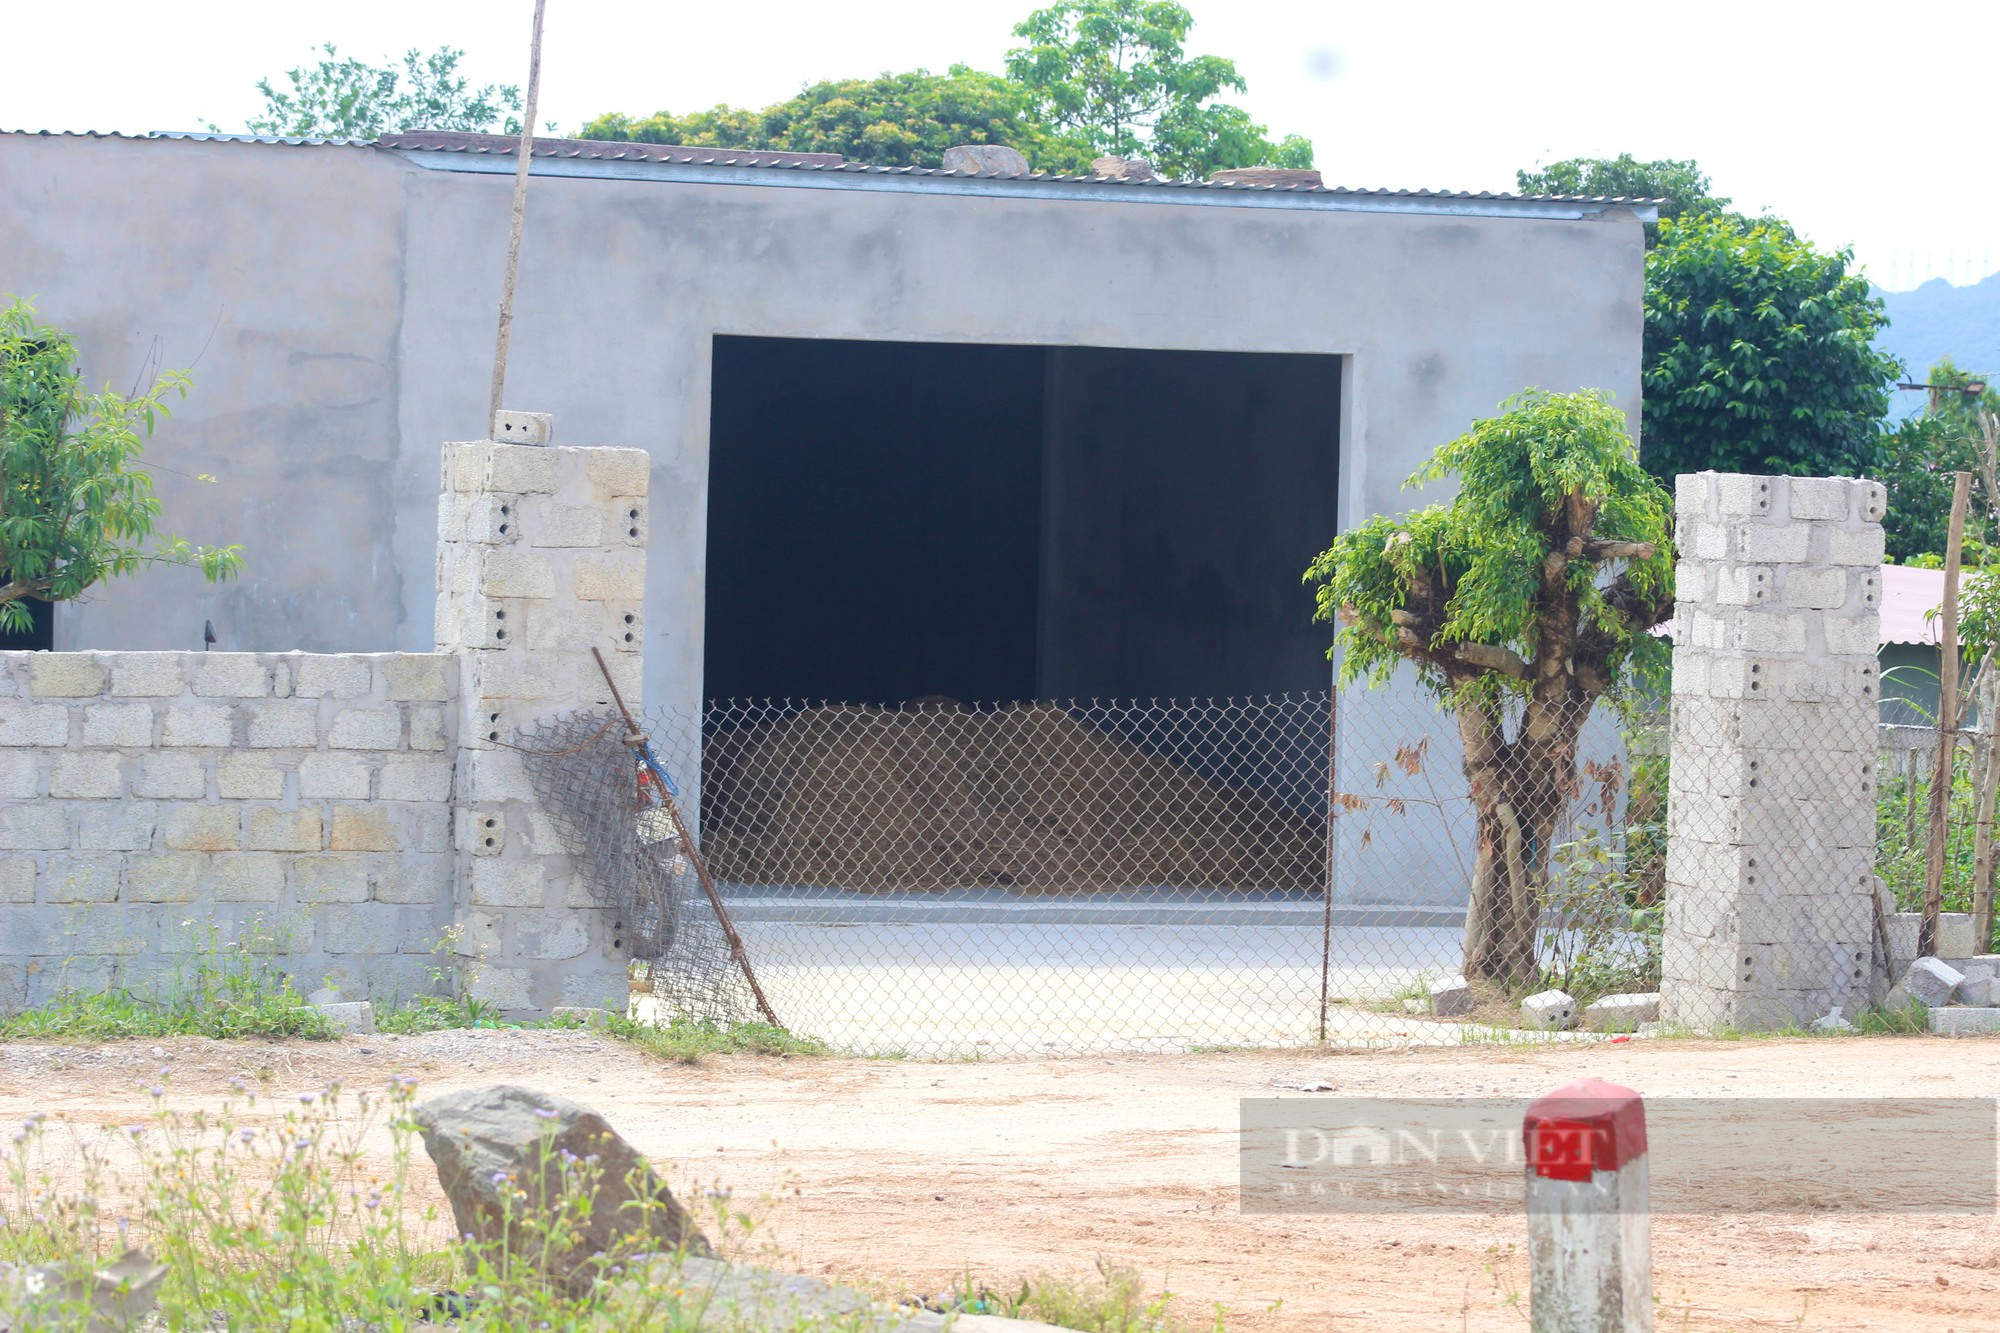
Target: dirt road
[912,1174]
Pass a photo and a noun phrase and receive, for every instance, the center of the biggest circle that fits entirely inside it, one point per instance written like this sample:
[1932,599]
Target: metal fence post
[1590,1263]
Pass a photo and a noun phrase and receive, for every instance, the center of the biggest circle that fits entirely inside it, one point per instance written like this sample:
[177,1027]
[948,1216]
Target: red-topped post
[1590,1260]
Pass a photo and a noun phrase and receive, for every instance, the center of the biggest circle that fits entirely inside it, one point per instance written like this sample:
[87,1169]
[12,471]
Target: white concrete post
[1590,1260]
[541,557]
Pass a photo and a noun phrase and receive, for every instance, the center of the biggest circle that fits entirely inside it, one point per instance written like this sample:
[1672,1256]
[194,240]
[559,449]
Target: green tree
[349,99]
[75,509]
[1918,457]
[1520,603]
[892,120]
[1758,353]
[1115,75]
[1682,187]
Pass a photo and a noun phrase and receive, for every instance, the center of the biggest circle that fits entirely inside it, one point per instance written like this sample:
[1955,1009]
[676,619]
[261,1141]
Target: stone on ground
[1977,991]
[351,1016]
[1622,1013]
[112,1299]
[1549,1011]
[1930,981]
[1452,997]
[1831,1021]
[507,1154]
[1961,1020]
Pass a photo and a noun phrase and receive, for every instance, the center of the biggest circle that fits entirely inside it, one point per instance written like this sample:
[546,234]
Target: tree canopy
[1918,457]
[1758,353]
[1682,187]
[892,120]
[1520,603]
[350,99]
[75,508]
[1096,77]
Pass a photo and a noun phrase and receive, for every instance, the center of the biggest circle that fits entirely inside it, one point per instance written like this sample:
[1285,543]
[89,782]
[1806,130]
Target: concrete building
[911,432]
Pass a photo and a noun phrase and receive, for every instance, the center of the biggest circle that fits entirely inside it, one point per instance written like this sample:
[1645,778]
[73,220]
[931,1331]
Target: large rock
[985,159]
[511,1159]
[113,1299]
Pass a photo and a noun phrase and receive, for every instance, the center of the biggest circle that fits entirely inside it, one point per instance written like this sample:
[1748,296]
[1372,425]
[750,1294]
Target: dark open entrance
[888,521]
[40,636]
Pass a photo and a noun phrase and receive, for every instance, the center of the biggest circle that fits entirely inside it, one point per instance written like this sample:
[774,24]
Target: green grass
[436,1013]
[224,991]
[687,1040]
[1114,1300]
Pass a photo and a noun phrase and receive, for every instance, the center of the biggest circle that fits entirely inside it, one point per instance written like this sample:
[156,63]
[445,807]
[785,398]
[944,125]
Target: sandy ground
[910,1174]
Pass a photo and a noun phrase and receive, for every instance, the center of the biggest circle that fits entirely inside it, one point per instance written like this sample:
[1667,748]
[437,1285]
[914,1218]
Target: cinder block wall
[299,803]
[1771,811]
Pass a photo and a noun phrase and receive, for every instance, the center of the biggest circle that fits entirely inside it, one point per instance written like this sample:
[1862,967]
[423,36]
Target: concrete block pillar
[1771,805]
[541,556]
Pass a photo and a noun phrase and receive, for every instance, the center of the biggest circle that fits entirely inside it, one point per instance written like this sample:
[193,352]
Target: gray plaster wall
[337,306]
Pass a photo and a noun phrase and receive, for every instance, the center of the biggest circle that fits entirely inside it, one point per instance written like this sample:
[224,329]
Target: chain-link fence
[949,879]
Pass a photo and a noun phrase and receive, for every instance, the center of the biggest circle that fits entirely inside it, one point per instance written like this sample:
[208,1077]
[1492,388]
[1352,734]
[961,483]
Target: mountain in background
[1936,320]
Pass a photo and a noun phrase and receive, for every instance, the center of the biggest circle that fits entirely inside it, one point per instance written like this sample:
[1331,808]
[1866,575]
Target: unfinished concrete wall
[298,803]
[541,557]
[1771,810]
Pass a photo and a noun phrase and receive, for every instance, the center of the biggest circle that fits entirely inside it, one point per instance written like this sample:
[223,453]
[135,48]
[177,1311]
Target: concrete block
[21,776]
[148,676]
[480,832]
[116,826]
[523,428]
[550,523]
[1758,545]
[1864,547]
[419,881]
[41,827]
[496,775]
[505,573]
[429,728]
[231,676]
[1965,1021]
[203,828]
[421,826]
[351,1017]
[45,725]
[480,936]
[414,677]
[174,877]
[1977,991]
[1871,500]
[1452,997]
[1549,1011]
[1818,498]
[618,471]
[630,520]
[174,777]
[284,724]
[340,777]
[366,928]
[1622,1013]
[330,879]
[415,780]
[250,777]
[273,830]
[509,989]
[1930,982]
[331,676]
[1692,493]
[1738,495]
[70,879]
[67,676]
[497,883]
[1849,636]
[362,828]
[118,725]
[17,879]
[598,983]
[1954,937]
[520,469]
[611,578]
[110,928]
[552,936]
[1742,585]
[248,879]
[87,775]
[209,725]
[465,464]
[366,729]
[1816,589]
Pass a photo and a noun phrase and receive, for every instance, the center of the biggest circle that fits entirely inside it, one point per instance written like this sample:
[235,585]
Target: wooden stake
[1989,787]
[520,213]
[1947,723]
[636,739]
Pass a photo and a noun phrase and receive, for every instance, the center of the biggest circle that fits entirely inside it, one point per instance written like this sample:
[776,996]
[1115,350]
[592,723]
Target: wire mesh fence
[943,879]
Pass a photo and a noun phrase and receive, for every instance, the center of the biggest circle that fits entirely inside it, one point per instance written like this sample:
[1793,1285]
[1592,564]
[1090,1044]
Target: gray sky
[1861,125]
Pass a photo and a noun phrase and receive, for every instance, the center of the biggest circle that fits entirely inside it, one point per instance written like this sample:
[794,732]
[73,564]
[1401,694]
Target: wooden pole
[636,739]
[1947,723]
[1989,787]
[520,213]
[1332,808]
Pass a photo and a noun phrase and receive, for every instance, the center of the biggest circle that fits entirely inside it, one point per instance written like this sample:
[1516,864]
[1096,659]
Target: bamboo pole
[1947,723]
[520,214]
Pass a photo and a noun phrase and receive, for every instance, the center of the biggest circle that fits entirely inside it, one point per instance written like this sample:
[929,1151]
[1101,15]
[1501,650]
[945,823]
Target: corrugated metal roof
[608,151]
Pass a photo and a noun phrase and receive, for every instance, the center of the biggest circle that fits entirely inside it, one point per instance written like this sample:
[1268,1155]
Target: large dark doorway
[889,521]
[40,636]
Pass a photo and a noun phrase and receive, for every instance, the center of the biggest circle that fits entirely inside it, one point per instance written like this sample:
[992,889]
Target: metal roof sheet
[609,151]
